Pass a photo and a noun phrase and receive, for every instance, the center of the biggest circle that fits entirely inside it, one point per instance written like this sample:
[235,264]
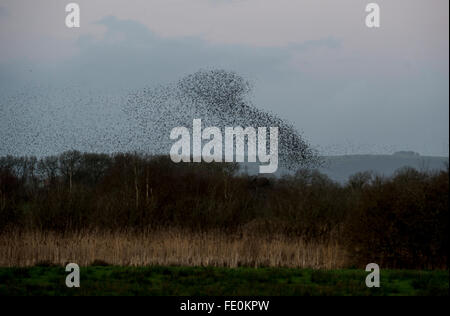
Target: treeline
[400,222]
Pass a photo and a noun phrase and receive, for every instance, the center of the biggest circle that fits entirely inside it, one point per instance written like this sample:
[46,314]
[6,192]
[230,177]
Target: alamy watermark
[373,278]
[212,150]
[73,16]
[373,18]
[73,278]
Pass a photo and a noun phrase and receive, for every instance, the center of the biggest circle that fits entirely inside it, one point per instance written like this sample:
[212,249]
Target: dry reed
[167,248]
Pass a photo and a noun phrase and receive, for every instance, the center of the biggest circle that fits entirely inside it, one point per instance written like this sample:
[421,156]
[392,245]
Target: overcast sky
[348,88]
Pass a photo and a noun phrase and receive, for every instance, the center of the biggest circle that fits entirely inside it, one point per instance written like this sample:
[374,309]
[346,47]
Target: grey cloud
[3,12]
[131,56]
[329,42]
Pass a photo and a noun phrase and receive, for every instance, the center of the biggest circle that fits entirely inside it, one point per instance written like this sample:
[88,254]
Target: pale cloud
[3,12]
[416,26]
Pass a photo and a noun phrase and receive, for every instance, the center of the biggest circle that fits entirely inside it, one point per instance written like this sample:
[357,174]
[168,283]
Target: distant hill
[339,168]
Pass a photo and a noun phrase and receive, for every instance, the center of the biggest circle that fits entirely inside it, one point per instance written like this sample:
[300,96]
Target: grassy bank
[112,280]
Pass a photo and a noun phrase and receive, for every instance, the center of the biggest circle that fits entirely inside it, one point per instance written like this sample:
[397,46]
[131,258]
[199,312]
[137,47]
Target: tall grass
[167,248]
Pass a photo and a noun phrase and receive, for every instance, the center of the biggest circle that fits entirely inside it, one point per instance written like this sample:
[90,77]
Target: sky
[348,88]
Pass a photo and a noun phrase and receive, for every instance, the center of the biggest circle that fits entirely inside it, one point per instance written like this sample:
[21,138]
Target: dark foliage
[399,222]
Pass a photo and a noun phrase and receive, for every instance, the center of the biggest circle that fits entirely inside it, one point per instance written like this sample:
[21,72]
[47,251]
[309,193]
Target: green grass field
[111,280]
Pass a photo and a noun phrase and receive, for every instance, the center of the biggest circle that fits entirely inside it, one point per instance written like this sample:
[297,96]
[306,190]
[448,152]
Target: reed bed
[170,247]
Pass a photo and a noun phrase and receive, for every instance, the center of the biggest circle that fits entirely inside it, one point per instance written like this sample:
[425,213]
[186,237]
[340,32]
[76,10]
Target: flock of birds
[220,98]
[45,121]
